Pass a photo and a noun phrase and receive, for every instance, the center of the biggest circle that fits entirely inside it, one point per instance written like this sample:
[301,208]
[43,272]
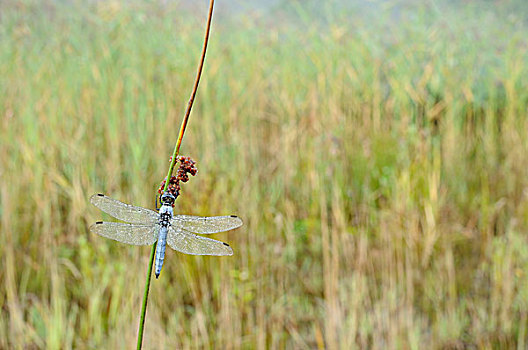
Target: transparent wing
[189,243]
[124,212]
[127,233]
[206,225]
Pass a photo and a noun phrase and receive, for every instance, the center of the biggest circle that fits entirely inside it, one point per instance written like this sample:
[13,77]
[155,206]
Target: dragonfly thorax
[165,214]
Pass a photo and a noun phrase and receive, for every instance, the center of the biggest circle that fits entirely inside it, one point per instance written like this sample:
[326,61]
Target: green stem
[171,167]
[145,298]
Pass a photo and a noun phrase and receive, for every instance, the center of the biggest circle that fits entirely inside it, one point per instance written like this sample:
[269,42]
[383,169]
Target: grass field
[378,157]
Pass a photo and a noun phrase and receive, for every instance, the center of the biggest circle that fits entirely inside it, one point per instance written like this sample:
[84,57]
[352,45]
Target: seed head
[187,166]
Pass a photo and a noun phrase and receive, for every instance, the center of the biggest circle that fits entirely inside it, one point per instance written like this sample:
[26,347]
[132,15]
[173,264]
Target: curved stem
[173,162]
[193,95]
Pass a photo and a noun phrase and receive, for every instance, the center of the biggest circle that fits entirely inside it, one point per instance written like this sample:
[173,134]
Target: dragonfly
[145,227]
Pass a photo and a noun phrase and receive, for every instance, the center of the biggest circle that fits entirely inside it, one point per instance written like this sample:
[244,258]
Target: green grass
[378,158]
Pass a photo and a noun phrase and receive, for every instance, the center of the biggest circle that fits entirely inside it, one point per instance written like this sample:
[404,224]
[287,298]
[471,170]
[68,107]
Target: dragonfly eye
[167,198]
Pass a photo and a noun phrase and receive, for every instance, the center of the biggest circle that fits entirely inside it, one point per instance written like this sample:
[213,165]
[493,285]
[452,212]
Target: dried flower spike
[187,166]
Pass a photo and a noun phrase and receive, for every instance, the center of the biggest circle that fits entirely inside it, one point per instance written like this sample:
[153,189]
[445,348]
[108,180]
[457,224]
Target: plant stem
[193,95]
[145,298]
[173,162]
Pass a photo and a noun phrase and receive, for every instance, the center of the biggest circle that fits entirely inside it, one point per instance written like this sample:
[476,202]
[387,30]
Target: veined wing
[206,225]
[123,211]
[189,243]
[127,233]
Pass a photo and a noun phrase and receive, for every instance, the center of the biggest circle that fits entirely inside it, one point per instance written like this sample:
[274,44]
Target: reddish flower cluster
[187,166]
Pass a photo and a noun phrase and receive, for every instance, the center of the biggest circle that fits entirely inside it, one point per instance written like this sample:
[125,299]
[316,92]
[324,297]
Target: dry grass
[379,164]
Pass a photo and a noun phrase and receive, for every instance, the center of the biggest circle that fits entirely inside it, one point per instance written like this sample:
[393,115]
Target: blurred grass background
[377,154]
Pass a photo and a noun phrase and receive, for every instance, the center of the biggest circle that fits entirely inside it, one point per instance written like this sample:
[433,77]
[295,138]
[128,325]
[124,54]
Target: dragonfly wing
[127,233]
[206,225]
[123,211]
[189,243]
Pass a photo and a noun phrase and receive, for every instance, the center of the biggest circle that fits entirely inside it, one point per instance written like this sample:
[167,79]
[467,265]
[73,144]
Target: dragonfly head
[167,198]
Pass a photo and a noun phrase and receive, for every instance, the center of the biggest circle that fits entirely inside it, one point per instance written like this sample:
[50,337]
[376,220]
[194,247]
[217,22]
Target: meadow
[377,155]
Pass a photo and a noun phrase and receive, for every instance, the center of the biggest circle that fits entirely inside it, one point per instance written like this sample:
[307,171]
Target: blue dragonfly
[146,226]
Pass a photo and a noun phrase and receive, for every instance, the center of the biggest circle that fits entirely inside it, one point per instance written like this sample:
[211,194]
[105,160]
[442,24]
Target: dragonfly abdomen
[160,250]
